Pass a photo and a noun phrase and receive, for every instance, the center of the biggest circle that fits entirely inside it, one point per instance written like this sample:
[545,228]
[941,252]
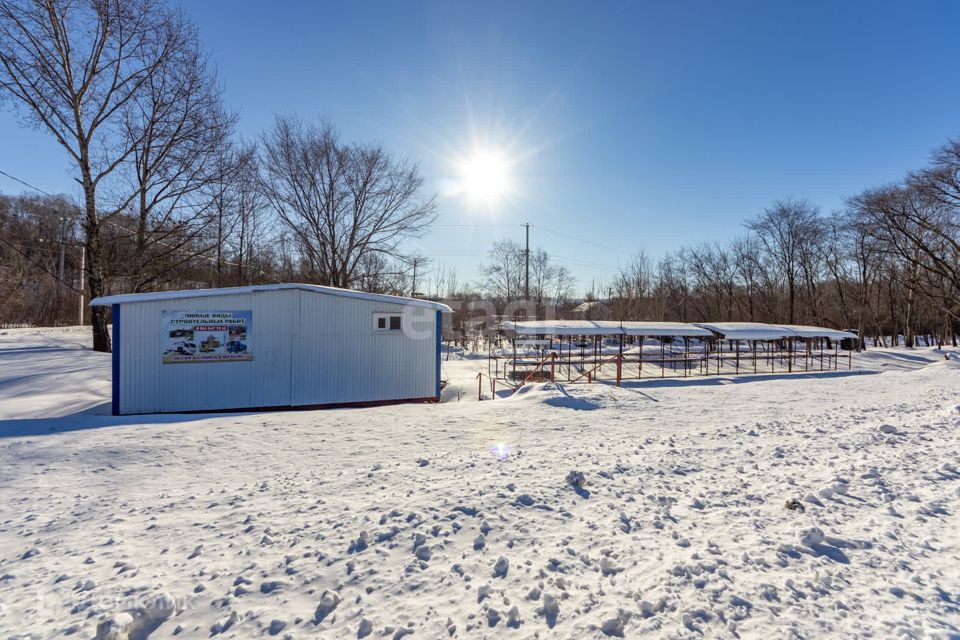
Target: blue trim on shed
[439,334]
[115,391]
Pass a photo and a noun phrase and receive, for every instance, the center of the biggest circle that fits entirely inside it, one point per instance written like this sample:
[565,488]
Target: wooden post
[754,356]
[738,356]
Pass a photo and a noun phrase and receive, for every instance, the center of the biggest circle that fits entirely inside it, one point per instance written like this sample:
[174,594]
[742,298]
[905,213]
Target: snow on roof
[603,328]
[747,330]
[563,327]
[818,332]
[761,331]
[128,298]
[681,329]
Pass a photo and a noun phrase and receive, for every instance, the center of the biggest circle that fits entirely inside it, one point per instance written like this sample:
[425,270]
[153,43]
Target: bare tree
[252,228]
[839,263]
[748,269]
[550,283]
[712,276]
[632,288]
[179,132]
[503,275]
[785,229]
[671,291]
[72,69]
[921,230]
[340,202]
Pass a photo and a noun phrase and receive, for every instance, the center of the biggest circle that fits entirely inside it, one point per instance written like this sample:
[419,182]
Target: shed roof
[603,328]
[128,298]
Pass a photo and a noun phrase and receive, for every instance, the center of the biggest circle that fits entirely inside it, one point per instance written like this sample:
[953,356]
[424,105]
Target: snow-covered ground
[459,520]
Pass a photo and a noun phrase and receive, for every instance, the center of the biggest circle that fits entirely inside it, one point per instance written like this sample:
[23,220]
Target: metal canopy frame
[582,351]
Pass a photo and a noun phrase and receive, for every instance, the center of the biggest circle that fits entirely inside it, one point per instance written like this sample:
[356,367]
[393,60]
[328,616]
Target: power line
[583,264]
[26,184]
[477,225]
[38,266]
[548,230]
[590,242]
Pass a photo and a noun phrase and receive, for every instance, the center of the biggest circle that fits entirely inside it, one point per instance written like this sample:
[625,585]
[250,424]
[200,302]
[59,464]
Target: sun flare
[484,177]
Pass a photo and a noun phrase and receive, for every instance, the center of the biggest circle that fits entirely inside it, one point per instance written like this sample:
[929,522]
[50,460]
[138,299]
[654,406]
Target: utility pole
[526,279]
[413,285]
[416,261]
[63,246]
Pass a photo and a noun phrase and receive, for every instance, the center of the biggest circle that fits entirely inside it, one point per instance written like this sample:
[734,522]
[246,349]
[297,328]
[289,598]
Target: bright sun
[484,177]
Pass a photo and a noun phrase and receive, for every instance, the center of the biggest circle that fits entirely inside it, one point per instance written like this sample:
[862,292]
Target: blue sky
[631,125]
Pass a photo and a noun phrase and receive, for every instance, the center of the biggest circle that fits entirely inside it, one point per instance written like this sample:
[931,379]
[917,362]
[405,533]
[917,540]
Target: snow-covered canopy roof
[128,298]
[563,327]
[747,330]
[603,328]
[726,330]
[818,332]
[680,329]
[761,331]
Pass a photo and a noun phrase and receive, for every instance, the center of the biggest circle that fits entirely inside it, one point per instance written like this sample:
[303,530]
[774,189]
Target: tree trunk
[98,315]
[793,295]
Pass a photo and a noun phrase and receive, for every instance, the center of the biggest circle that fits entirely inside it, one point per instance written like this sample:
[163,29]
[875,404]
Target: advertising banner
[207,336]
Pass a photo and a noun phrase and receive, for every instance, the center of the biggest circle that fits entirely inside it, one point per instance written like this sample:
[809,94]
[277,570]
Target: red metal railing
[588,374]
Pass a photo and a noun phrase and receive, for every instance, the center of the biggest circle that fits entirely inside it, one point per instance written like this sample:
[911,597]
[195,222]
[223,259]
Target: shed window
[387,322]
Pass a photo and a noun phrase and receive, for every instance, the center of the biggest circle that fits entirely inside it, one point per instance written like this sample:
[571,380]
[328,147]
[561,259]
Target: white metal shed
[272,346]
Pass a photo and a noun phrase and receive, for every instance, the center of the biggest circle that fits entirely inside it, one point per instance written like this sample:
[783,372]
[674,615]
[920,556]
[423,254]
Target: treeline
[887,264]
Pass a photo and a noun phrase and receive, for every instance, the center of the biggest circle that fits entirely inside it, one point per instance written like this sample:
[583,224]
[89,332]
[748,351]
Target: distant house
[591,310]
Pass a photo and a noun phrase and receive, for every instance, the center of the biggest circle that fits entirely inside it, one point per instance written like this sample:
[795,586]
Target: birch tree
[71,69]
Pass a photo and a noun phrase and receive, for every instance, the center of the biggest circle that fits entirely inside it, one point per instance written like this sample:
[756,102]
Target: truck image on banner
[207,336]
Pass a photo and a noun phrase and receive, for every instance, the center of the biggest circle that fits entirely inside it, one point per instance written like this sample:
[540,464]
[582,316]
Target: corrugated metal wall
[308,348]
[341,358]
